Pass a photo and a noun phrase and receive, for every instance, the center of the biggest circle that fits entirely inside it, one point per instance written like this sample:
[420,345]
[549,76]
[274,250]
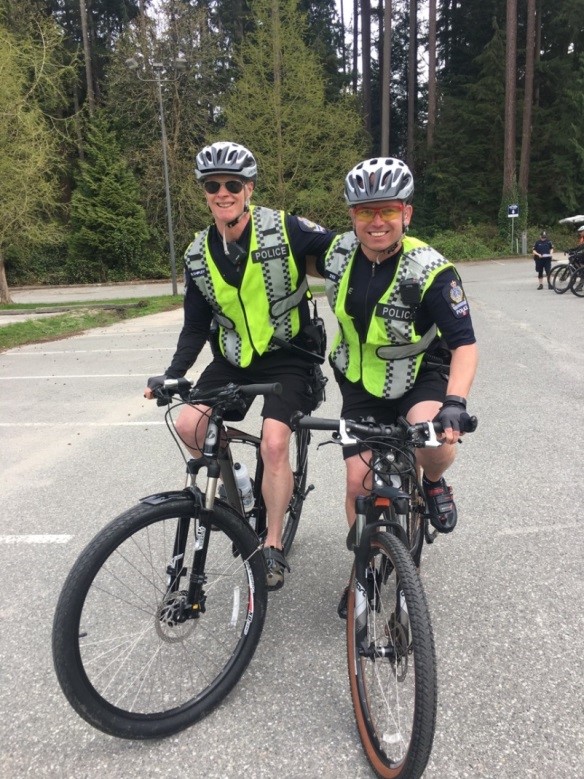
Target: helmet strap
[237,219]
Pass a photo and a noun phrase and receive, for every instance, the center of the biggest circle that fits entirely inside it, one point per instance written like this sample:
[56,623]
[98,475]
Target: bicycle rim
[126,663]
[392,668]
[299,461]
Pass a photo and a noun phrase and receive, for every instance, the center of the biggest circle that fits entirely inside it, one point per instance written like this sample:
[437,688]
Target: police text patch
[270,253]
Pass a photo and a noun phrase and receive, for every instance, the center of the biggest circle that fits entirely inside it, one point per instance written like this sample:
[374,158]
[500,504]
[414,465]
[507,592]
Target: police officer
[246,274]
[542,254]
[403,317]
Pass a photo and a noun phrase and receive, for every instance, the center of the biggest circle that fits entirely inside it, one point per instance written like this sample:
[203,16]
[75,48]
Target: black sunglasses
[234,186]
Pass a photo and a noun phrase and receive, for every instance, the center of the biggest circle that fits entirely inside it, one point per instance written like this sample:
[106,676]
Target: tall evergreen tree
[109,228]
[464,179]
[31,78]
[278,108]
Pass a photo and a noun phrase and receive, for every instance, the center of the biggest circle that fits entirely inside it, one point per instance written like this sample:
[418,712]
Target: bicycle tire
[560,278]
[577,282]
[394,696]
[299,458]
[123,663]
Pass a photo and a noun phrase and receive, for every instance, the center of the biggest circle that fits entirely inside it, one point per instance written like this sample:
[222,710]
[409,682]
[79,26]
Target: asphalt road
[79,444]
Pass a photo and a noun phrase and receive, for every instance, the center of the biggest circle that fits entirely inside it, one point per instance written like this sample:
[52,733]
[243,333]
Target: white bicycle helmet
[581,229]
[226,157]
[380,178]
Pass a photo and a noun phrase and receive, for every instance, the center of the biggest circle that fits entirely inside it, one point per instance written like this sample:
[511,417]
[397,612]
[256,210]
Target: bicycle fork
[367,587]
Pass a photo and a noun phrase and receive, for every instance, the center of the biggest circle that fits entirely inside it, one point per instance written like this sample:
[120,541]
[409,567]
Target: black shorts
[291,372]
[358,403]
[543,264]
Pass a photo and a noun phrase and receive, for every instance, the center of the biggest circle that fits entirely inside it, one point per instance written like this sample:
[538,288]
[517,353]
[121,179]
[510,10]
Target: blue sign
[513,210]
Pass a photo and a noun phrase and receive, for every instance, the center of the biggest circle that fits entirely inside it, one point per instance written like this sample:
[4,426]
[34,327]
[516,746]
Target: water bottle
[244,486]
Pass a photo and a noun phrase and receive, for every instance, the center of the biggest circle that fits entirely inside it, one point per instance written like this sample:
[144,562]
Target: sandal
[276,563]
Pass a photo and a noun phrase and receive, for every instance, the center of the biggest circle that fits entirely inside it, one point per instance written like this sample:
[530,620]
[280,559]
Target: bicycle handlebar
[420,434]
[186,390]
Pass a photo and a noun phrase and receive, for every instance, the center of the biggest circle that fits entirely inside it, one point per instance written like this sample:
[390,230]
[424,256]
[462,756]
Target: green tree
[304,144]
[463,183]
[30,78]
[109,228]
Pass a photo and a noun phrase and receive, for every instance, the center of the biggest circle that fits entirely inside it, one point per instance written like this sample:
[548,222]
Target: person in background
[246,276]
[405,345]
[542,254]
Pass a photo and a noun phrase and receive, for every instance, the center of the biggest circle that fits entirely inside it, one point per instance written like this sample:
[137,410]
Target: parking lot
[80,444]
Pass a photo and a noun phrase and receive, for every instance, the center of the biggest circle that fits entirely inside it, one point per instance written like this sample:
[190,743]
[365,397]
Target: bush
[475,242]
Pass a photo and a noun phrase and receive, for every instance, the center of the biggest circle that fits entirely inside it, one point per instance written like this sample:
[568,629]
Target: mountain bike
[390,645]
[162,612]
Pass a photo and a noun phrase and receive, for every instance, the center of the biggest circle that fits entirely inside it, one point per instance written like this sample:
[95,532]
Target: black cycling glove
[155,382]
[453,414]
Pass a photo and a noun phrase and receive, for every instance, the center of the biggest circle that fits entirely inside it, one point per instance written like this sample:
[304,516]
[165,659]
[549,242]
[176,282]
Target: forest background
[483,98]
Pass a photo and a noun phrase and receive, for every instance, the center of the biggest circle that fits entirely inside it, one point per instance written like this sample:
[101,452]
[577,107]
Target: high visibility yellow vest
[266,302]
[388,363]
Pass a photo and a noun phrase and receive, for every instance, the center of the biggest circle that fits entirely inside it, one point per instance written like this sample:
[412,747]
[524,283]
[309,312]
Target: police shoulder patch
[308,226]
[454,295]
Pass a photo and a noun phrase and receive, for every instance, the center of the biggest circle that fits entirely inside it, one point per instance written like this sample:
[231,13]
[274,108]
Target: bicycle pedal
[429,535]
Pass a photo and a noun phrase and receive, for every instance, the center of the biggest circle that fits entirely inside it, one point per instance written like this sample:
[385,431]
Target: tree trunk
[527,100]
[366,60]
[87,57]
[4,291]
[343,42]
[386,80]
[412,80]
[509,155]
[431,75]
[355,46]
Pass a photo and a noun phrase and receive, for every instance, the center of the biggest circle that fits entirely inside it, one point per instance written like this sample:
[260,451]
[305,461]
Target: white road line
[35,539]
[90,351]
[77,376]
[81,424]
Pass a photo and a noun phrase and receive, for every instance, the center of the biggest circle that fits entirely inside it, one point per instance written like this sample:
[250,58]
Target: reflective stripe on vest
[266,302]
[388,363]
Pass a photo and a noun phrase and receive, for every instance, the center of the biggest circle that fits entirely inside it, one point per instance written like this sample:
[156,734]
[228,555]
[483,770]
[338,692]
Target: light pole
[158,68]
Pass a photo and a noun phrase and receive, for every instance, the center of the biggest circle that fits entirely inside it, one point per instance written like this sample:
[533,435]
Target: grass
[78,318]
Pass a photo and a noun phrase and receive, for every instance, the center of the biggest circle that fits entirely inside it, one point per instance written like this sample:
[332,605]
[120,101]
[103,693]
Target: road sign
[513,210]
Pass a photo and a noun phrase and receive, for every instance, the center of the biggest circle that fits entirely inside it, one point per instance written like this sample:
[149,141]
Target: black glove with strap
[155,383]
[453,415]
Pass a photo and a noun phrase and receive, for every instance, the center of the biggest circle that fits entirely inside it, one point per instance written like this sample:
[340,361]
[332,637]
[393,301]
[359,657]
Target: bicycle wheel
[560,278]
[391,661]
[577,282]
[126,661]
[299,461]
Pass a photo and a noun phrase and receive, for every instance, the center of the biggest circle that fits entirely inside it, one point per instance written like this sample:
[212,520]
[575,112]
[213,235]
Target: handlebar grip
[314,423]
[262,389]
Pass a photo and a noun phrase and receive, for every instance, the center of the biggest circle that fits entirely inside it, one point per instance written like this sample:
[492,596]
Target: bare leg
[434,461]
[278,480]
[191,426]
[358,482]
